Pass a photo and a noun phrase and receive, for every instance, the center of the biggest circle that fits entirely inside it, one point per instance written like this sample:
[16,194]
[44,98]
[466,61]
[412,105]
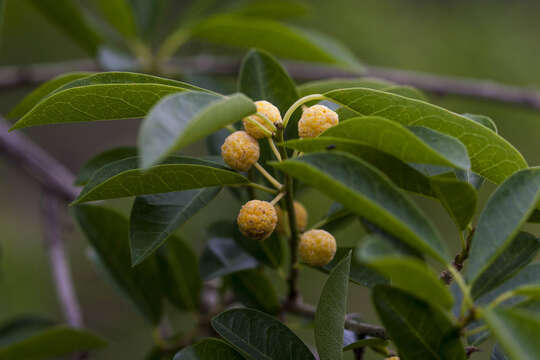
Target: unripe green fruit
[317,247]
[240,151]
[257,219]
[315,120]
[270,111]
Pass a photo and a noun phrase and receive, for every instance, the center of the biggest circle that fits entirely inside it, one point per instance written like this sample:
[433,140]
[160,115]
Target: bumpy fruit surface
[268,110]
[240,151]
[317,247]
[300,213]
[257,219]
[315,120]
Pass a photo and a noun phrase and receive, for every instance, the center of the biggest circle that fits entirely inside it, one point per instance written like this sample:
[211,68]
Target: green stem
[292,280]
[467,299]
[262,187]
[297,104]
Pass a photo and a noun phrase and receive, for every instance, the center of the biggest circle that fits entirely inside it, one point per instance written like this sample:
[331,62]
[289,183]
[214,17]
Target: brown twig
[14,76]
[459,259]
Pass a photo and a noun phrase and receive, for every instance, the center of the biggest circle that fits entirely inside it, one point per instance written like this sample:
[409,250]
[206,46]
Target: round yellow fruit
[270,111]
[315,120]
[240,151]
[257,219]
[317,247]
[301,216]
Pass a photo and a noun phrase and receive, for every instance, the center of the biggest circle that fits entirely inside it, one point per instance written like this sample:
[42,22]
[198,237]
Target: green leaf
[368,193]
[529,275]
[68,17]
[263,78]
[260,336]
[119,14]
[323,86]
[531,291]
[97,162]
[406,273]
[208,349]
[154,218]
[483,120]
[49,343]
[458,197]
[42,91]
[331,309]
[359,273]
[338,218]
[254,289]
[21,327]
[521,251]
[107,232]
[506,211]
[491,155]
[106,96]
[180,274]
[275,9]
[516,331]
[367,342]
[181,119]
[274,37]
[124,178]
[419,330]
[406,91]
[498,354]
[223,256]
[535,217]
[416,144]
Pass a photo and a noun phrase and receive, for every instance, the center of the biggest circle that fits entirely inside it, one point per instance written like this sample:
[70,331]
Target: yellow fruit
[301,218]
[315,120]
[257,219]
[270,111]
[393,358]
[240,151]
[317,247]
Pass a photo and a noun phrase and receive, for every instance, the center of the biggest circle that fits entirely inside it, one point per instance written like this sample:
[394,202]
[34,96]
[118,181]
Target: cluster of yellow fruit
[258,219]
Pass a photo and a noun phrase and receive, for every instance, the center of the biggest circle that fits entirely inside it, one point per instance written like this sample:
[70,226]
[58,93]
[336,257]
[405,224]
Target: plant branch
[308,311]
[15,76]
[52,230]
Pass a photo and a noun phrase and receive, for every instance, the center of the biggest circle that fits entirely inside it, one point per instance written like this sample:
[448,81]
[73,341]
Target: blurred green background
[492,39]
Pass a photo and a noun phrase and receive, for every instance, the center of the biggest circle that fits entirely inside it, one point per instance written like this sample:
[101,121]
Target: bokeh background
[492,39]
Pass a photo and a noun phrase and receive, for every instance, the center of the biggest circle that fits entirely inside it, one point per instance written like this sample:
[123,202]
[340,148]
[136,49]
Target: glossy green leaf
[275,9]
[531,291]
[484,120]
[419,330]
[179,271]
[255,290]
[22,327]
[323,86]
[263,78]
[491,155]
[368,193]
[516,331]
[49,343]
[249,32]
[42,91]
[260,336]
[338,218]
[406,91]
[407,273]
[529,275]
[102,159]
[119,14]
[359,273]
[458,197]
[331,309]
[181,119]
[417,144]
[107,232]
[222,256]
[124,178]
[368,342]
[66,15]
[505,212]
[154,218]
[208,349]
[521,251]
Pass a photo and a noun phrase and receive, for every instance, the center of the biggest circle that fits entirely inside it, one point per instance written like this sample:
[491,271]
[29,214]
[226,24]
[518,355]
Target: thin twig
[15,76]
[52,230]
